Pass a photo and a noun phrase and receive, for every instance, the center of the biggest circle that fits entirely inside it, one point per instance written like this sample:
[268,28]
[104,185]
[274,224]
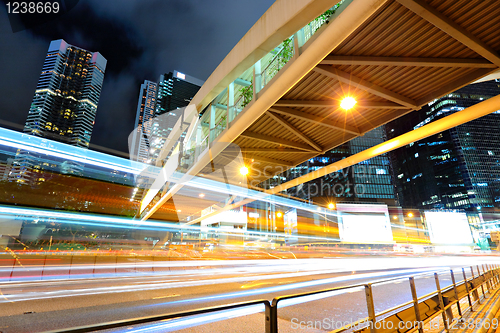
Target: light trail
[176,324]
[122,222]
[30,296]
[272,270]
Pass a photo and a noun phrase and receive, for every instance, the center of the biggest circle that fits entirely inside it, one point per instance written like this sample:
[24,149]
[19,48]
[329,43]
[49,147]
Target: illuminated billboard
[363,223]
[448,228]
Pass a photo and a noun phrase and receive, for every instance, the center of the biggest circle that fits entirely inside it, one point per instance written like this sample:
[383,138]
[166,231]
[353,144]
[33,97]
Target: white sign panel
[448,228]
[365,228]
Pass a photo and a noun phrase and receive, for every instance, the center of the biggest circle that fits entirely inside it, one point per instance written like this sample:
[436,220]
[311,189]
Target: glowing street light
[347,103]
[279,214]
[244,170]
[331,205]
[201,195]
[410,214]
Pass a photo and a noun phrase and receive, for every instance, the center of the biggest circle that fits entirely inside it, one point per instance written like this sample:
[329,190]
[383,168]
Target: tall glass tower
[369,181]
[66,97]
[139,146]
[456,169]
[157,113]
[63,109]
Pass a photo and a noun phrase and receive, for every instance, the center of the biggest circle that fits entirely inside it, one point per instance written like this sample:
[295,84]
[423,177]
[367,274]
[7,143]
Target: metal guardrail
[418,311]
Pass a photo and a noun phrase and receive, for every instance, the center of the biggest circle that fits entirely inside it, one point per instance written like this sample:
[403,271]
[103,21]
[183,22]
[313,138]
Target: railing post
[441,303]
[485,270]
[494,275]
[475,292]
[415,305]
[456,293]
[371,307]
[272,317]
[482,283]
[467,288]
[490,279]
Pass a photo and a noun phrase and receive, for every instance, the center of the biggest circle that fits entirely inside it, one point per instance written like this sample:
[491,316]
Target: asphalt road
[34,306]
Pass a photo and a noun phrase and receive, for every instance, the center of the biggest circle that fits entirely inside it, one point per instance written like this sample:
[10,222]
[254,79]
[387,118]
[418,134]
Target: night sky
[141,39]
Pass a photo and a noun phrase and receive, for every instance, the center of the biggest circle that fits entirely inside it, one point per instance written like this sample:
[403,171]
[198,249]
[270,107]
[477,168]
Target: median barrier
[56,266]
[82,266]
[104,264]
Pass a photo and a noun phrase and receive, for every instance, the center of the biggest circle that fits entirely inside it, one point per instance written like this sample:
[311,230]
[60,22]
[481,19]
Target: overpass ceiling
[405,55]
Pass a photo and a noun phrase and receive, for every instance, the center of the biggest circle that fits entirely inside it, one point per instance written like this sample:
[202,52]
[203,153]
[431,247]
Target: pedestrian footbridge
[274,101]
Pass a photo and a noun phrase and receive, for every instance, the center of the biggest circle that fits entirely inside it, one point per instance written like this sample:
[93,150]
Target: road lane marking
[167,296]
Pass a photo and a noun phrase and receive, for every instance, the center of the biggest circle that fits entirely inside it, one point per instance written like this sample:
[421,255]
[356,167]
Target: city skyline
[133,39]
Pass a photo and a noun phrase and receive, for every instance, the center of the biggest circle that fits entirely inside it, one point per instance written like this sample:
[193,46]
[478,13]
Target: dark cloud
[140,40]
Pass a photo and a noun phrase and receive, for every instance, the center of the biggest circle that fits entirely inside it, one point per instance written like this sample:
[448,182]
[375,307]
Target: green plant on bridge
[247,95]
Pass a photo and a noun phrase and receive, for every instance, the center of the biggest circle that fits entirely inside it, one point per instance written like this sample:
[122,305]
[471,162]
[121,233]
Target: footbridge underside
[277,94]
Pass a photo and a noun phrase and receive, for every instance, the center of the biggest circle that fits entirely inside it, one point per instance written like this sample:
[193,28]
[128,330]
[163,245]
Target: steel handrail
[271,308]
[149,319]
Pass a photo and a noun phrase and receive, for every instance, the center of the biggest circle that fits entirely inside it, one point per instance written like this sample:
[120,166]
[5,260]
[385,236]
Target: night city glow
[271,166]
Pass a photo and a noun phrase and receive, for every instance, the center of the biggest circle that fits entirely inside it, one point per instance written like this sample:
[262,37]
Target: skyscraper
[456,169]
[368,181]
[63,108]
[66,97]
[173,91]
[139,147]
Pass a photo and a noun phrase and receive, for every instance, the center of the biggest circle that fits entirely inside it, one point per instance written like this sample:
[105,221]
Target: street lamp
[331,205]
[244,170]
[347,103]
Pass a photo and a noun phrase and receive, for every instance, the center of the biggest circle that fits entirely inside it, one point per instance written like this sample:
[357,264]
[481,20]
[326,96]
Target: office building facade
[159,115]
[65,102]
[455,169]
[369,181]
[63,109]
[139,146]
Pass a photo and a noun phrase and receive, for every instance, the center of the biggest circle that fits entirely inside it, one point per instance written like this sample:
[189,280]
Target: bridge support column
[230,104]
[298,41]
[213,109]
[257,79]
